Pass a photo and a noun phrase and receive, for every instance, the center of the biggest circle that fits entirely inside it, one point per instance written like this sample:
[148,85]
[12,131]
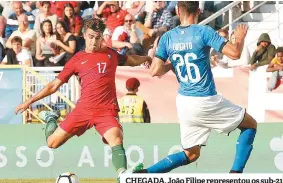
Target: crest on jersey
[182,32]
[109,56]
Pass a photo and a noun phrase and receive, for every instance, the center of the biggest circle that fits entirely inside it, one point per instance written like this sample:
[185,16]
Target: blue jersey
[188,50]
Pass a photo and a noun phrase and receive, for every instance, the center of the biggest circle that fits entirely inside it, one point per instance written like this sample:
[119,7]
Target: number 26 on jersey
[183,61]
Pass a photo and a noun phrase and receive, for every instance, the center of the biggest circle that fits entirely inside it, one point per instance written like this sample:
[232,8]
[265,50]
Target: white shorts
[199,115]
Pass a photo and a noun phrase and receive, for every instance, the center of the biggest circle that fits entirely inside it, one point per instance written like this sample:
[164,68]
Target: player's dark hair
[279,50]
[94,24]
[189,6]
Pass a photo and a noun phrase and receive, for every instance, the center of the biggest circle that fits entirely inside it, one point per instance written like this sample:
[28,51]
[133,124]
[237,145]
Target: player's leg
[192,138]
[58,138]
[174,161]
[114,137]
[111,131]
[55,136]
[226,117]
[244,144]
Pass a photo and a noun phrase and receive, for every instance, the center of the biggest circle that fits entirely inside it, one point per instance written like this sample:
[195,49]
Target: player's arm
[159,67]
[49,89]
[234,51]
[160,64]
[134,60]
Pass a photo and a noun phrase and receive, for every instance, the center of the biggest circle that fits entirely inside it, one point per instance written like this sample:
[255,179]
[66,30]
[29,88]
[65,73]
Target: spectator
[66,44]
[158,20]
[133,108]
[276,67]
[28,36]
[264,52]
[18,55]
[2,29]
[74,22]
[45,48]
[2,52]
[29,6]
[125,37]
[12,22]
[114,16]
[7,8]
[58,7]
[136,8]
[45,7]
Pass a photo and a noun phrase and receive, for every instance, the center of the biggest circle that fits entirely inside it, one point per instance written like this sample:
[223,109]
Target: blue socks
[169,163]
[243,149]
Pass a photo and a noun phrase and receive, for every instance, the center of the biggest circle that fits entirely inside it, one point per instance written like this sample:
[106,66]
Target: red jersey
[97,73]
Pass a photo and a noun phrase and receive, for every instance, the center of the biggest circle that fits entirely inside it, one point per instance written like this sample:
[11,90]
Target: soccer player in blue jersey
[200,109]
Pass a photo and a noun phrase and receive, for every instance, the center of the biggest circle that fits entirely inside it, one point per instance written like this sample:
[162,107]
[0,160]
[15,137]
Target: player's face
[93,40]
[280,57]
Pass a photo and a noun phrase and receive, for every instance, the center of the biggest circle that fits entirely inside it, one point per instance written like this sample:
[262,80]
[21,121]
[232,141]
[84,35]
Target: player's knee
[248,122]
[193,153]
[117,140]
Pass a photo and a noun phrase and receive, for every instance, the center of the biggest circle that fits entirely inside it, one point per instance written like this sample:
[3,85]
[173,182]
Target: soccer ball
[67,178]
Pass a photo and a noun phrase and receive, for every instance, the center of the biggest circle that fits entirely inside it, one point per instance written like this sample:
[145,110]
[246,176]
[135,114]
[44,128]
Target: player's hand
[21,108]
[241,31]
[147,64]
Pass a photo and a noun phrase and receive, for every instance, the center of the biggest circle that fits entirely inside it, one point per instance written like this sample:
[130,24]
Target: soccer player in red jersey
[97,106]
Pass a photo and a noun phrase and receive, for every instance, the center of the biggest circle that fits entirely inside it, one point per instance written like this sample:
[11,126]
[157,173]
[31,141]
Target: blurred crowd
[49,33]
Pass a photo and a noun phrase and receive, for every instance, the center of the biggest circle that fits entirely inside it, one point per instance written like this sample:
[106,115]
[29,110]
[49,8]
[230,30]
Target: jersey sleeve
[161,51]
[211,38]
[68,70]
